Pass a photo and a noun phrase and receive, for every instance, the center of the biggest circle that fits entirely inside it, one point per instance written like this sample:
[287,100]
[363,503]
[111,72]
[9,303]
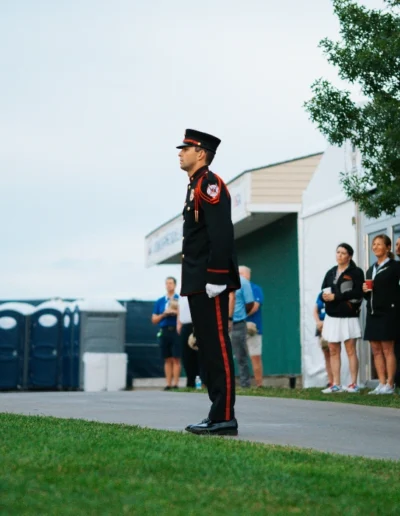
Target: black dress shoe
[206,420]
[208,427]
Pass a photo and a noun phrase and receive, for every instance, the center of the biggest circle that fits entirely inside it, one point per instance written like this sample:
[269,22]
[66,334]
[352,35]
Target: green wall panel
[272,254]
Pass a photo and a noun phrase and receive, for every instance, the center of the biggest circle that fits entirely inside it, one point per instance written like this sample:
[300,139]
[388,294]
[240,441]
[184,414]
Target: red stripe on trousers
[225,359]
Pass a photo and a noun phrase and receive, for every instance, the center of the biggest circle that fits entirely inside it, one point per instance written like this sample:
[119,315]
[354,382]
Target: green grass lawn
[69,467]
[362,398]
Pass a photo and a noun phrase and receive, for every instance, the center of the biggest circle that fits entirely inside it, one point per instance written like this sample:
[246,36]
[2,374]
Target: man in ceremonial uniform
[209,272]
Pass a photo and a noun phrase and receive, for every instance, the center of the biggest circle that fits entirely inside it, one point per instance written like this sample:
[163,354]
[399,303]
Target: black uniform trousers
[210,322]
[190,357]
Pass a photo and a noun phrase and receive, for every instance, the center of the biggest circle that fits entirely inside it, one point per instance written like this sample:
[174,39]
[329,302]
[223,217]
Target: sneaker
[377,389]
[333,389]
[353,387]
[386,389]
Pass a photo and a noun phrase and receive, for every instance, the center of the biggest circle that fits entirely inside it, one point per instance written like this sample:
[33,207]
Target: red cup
[369,283]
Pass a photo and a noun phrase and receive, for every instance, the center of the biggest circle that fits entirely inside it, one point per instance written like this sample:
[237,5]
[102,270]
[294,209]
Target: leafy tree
[368,55]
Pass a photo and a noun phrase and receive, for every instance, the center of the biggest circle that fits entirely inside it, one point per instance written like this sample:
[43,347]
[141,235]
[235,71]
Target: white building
[289,219]
[265,205]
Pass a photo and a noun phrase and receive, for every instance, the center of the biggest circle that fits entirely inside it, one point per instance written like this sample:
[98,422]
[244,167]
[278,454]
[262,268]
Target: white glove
[214,290]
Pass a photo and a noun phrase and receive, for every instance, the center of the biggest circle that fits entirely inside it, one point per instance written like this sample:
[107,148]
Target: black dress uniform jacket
[347,289]
[208,253]
[383,303]
[386,292]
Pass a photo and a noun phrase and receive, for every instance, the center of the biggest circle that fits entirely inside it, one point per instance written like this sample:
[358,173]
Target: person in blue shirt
[165,316]
[319,316]
[254,330]
[243,301]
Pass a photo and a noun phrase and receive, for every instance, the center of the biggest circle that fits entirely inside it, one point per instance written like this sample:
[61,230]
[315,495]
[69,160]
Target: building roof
[248,171]
[276,164]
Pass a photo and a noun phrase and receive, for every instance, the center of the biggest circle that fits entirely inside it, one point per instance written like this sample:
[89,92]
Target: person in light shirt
[243,300]
[254,340]
[319,316]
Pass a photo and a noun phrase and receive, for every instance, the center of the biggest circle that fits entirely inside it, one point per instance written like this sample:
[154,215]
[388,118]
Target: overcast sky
[94,97]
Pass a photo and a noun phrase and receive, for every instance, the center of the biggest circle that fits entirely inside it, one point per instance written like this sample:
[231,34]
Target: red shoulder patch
[210,191]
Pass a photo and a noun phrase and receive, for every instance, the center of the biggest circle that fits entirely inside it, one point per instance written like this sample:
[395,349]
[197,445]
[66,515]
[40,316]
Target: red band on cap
[188,140]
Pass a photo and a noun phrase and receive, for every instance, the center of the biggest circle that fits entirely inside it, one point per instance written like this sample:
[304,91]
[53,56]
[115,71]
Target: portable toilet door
[12,349]
[45,348]
[76,346]
[66,350]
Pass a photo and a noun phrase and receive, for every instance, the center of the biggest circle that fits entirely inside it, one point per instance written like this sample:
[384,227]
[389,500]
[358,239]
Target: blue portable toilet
[76,350]
[14,327]
[66,349]
[70,348]
[45,345]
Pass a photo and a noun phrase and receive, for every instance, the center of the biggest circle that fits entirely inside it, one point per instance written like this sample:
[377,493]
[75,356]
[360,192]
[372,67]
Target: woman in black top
[382,308]
[342,293]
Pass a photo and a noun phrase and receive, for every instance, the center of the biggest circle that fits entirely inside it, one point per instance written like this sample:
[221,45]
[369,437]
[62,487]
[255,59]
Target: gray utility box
[101,328]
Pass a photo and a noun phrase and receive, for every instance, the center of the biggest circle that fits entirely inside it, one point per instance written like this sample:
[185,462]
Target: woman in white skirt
[343,294]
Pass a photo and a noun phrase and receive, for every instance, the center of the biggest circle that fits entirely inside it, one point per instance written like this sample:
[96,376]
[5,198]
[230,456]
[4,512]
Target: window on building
[396,233]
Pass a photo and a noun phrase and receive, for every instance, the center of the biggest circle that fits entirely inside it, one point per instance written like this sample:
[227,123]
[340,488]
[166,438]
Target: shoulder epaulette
[208,189]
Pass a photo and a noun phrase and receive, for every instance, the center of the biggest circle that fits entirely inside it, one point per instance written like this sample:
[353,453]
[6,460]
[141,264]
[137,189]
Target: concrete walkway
[331,427]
